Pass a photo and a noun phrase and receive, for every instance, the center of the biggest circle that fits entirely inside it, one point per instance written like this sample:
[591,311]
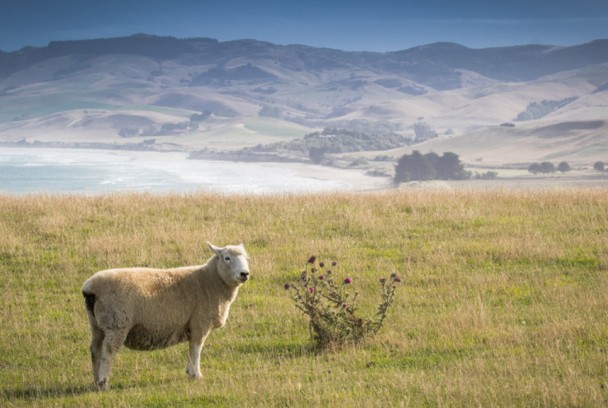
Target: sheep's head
[232,266]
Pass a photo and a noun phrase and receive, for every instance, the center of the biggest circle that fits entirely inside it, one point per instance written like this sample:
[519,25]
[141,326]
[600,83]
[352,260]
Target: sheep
[148,309]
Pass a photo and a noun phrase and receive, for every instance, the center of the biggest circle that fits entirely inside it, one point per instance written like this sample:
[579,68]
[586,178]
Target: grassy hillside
[194,94]
[503,300]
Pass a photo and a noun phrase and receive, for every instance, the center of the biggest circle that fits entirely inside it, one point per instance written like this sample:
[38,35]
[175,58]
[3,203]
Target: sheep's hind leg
[110,346]
[97,337]
[193,368]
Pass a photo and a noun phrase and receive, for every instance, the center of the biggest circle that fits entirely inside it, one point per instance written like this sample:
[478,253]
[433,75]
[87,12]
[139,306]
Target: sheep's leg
[95,347]
[97,337]
[110,345]
[193,368]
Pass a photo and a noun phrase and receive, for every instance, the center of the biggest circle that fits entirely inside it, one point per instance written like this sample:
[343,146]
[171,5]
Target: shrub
[330,308]
[489,175]
[358,162]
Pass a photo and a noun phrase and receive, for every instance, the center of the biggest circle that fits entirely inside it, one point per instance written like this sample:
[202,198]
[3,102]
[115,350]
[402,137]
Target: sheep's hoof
[193,376]
[103,385]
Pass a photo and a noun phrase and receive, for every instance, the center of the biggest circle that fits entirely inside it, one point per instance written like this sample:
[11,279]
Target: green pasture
[503,300]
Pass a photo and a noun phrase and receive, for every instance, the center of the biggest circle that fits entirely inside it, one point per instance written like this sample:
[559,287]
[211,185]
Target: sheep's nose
[244,275]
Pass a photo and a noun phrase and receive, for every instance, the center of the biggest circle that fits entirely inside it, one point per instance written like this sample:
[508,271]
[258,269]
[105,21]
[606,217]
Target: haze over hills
[496,105]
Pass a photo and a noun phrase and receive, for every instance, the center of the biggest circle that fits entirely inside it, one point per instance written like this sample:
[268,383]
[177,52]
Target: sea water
[53,171]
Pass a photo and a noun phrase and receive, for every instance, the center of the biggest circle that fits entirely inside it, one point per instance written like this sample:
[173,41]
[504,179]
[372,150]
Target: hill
[165,93]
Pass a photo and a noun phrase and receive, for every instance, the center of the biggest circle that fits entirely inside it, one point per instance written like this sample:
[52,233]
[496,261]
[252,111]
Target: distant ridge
[516,63]
[504,105]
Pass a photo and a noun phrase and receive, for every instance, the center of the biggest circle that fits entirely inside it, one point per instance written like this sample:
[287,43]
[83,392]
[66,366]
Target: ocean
[57,171]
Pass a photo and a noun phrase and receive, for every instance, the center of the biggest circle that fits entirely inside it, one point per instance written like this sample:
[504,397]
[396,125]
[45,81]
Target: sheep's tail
[89,300]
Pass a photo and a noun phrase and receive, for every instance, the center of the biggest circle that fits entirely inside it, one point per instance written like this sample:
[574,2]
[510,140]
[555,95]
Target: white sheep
[148,309]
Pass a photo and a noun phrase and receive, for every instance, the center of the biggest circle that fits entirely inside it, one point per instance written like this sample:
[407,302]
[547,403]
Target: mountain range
[504,105]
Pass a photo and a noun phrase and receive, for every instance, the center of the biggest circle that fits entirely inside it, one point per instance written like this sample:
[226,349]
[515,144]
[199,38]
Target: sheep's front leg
[193,368]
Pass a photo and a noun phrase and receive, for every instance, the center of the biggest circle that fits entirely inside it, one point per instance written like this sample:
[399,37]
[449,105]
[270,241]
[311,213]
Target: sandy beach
[27,170]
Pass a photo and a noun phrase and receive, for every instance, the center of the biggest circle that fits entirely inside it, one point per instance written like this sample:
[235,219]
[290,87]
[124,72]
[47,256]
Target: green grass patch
[502,303]
[279,130]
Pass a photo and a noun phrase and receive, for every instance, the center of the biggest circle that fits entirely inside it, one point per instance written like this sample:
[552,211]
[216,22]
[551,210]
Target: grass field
[503,300]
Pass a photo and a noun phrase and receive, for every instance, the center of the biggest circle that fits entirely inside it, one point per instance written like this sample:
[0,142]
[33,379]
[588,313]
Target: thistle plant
[324,298]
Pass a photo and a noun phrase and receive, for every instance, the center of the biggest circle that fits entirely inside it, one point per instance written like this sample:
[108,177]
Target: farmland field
[503,299]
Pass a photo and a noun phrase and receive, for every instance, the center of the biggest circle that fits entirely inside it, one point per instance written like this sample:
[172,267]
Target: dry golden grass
[503,302]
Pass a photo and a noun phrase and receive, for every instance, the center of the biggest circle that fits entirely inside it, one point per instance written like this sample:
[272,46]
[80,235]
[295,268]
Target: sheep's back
[143,282]
[159,302]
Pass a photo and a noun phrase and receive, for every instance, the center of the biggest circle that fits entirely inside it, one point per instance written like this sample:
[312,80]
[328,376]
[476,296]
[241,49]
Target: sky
[354,25]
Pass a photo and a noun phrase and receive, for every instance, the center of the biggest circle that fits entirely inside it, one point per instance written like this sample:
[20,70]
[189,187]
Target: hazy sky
[372,25]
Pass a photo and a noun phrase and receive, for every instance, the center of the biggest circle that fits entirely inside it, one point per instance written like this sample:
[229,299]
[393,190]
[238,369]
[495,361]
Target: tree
[430,167]
[433,160]
[563,167]
[547,167]
[423,131]
[599,166]
[317,154]
[414,167]
[534,168]
[449,168]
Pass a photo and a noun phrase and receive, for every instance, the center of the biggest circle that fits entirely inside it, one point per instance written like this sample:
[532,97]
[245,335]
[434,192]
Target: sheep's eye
[227,259]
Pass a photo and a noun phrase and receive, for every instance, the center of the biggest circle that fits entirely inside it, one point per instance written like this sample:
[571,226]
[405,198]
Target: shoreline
[209,175]
[230,177]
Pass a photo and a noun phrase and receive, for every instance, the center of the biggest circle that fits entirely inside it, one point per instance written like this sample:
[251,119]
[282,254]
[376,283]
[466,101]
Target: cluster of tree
[488,175]
[599,166]
[423,131]
[537,110]
[271,112]
[430,166]
[335,140]
[548,167]
[167,129]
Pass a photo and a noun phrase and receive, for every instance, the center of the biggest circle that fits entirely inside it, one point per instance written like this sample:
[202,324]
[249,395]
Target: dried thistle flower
[331,310]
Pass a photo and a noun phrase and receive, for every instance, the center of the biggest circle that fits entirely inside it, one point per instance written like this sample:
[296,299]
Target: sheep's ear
[216,250]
